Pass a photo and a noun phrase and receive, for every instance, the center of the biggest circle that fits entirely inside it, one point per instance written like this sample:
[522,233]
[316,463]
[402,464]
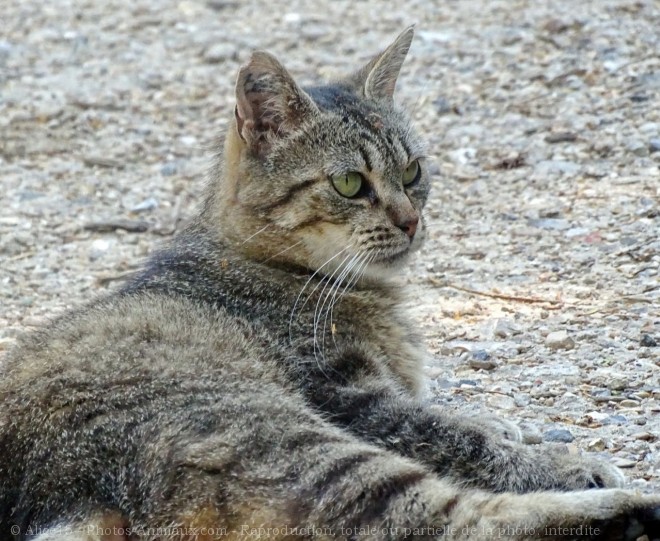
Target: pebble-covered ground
[538,288]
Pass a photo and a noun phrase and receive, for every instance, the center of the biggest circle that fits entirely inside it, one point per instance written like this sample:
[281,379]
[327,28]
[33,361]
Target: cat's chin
[388,266]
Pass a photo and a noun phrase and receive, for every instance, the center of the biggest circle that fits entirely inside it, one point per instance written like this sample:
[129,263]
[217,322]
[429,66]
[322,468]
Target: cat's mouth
[392,257]
[387,263]
[396,256]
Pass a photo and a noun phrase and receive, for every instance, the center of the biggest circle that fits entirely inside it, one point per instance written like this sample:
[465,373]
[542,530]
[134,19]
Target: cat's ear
[269,103]
[378,78]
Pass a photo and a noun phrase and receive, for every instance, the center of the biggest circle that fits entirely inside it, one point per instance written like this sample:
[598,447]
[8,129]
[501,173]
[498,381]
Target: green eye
[411,173]
[347,184]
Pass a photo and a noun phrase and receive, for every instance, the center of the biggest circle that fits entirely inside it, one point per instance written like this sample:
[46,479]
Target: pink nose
[409,226]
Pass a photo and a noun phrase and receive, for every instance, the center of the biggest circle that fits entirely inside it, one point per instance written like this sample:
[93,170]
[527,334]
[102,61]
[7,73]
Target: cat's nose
[405,217]
[409,226]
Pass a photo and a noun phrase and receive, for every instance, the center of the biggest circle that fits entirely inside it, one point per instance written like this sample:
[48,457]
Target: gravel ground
[538,288]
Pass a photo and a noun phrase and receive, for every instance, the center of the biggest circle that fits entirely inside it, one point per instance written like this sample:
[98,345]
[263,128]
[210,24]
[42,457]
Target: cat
[259,377]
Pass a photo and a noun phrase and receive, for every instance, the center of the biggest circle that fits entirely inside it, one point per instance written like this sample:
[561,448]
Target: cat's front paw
[579,472]
[523,469]
[497,427]
[606,515]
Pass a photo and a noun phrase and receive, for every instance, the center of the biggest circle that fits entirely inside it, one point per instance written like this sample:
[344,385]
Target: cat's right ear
[269,104]
[378,78]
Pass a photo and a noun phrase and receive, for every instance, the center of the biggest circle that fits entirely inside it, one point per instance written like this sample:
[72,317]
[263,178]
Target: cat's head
[329,177]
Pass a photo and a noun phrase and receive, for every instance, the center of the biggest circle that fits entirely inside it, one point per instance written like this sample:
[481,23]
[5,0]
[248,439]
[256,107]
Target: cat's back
[131,337]
[114,383]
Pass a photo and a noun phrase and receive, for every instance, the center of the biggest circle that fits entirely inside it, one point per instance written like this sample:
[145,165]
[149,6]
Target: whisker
[317,316]
[281,252]
[255,234]
[358,275]
[369,257]
[330,295]
[357,266]
[295,304]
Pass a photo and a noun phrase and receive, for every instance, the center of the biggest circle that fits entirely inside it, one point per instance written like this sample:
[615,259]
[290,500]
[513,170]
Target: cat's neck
[224,213]
[228,214]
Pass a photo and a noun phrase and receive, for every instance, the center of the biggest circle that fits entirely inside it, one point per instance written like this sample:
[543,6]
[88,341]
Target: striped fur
[259,378]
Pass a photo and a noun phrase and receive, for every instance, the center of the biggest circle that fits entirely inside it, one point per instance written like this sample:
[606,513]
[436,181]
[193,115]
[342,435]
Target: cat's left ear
[378,78]
[269,104]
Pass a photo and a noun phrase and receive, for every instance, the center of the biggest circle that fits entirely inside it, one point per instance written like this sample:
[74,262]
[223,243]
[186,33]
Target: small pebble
[170,168]
[148,204]
[477,364]
[47,111]
[442,383]
[625,463]
[504,328]
[615,420]
[644,436]
[617,384]
[442,106]
[559,340]
[500,401]
[561,137]
[6,48]
[99,248]
[640,484]
[648,341]
[638,148]
[480,355]
[548,167]
[596,445]
[462,156]
[560,435]
[188,140]
[558,224]
[650,128]
[219,5]
[522,399]
[220,52]
[607,398]
[628,403]
[292,18]
[654,145]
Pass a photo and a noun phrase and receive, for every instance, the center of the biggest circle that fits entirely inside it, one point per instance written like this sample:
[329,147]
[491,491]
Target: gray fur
[261,373]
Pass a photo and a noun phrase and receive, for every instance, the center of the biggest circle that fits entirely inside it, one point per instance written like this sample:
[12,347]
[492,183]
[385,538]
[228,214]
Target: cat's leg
[460,448]
[281,472]
[230,461]
[497,426]
[236,464]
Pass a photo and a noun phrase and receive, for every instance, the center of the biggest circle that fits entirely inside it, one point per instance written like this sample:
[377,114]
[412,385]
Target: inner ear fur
[269,103]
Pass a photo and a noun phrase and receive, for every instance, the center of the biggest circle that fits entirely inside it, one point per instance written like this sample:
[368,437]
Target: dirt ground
[538,288]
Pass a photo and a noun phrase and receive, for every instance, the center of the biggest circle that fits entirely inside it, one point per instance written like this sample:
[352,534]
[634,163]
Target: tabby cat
[260,379]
